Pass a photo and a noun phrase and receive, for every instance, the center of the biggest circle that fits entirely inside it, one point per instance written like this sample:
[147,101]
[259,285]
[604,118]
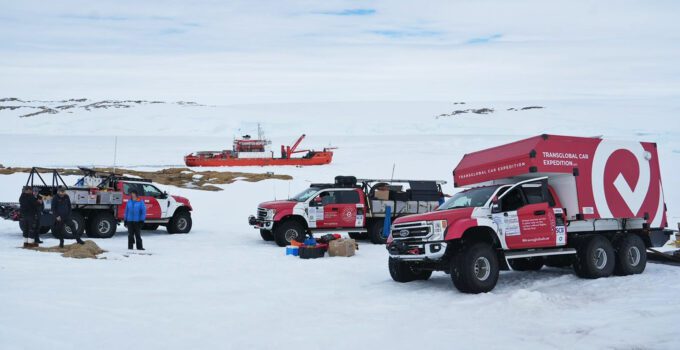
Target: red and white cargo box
[595,179]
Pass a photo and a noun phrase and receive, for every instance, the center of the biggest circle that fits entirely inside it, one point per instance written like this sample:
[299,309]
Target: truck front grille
[410,230]
[261,213]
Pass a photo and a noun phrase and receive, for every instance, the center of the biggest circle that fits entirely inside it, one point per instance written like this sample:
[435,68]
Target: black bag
[311,252]
[346,181]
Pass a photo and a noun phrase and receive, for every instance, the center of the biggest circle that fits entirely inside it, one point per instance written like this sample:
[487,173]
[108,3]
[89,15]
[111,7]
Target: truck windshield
[305,195]
[475,197]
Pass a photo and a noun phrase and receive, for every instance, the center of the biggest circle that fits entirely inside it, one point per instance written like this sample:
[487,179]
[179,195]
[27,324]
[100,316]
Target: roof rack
[439,182]
[57,180]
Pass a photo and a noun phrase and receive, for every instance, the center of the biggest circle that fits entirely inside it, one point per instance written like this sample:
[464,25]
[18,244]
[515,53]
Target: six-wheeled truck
[590,203]
[98,201]
[357,207]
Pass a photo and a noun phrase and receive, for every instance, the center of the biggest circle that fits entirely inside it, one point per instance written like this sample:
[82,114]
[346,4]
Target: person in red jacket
[135,214]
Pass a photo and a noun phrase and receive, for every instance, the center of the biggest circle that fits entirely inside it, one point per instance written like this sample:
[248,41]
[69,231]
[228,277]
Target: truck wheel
[44,229]
[288,231]
[267,235]
[474,269]
[150,227]
[180,222]
[631,255]
[358,235]
[375,232]
[77,226]
[102,225]
[595,257]
[527,264]
[403,271]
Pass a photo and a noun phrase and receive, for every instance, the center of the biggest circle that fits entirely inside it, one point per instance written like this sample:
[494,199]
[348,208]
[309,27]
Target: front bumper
[260,224]
[416,250]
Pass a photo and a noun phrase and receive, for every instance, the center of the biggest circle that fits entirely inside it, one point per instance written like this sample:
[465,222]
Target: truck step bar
[539,252]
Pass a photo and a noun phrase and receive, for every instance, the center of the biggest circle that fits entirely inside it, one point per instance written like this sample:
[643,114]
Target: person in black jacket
[61,209]
[29,207]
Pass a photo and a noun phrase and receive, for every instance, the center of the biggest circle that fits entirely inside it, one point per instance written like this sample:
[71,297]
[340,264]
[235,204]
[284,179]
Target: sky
[250,52]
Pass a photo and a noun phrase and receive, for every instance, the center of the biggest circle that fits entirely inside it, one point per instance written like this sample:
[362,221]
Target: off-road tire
[180,222]
[474,268]
[267,235]
[631,255]
[375,231]
[595,257]
[527,264]
[288,231]
[150,227]
[102,225]
[44,230]
[77,225]
[404,271]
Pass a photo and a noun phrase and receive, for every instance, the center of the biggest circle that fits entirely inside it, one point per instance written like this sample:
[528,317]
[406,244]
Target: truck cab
[319,208]
[525,206]
[171,211]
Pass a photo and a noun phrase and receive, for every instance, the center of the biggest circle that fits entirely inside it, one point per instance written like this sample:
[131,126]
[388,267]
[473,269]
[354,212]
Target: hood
[182,200]
[449,215]
[278,205]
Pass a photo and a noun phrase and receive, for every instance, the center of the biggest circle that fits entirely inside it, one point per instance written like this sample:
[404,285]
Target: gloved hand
[125,223]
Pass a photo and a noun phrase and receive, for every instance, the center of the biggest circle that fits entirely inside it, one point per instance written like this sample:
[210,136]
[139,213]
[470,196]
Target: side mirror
[495,206]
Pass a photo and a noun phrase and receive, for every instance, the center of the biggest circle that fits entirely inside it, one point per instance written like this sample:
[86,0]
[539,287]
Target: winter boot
[80,241]
[61,243]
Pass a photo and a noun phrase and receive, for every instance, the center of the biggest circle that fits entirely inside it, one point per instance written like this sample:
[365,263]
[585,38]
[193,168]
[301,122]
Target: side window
[152,191]
[348,197]
[328,197]
[127,187]
[513,200]
[534,194]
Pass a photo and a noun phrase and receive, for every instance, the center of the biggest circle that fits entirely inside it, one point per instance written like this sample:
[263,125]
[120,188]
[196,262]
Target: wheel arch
[294,217]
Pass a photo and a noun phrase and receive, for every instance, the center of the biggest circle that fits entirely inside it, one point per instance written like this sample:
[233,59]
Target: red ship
[249,152]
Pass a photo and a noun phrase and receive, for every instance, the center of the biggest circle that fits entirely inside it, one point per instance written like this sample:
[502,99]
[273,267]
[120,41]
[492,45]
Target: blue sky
[250,51]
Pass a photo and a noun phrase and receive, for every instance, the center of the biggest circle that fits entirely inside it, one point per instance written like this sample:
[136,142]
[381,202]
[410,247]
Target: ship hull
[320,158]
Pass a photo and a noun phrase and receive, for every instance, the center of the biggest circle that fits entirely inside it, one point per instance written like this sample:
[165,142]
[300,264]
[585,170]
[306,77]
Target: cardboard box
[382,195]
[342,247]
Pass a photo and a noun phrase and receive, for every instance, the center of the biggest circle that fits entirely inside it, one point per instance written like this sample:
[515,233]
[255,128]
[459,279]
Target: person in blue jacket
[135,214]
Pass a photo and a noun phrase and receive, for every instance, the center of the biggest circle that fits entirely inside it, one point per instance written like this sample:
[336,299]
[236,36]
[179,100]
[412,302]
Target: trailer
[590,203]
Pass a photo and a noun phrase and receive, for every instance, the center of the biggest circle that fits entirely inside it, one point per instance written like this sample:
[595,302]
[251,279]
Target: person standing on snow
[29,207]
[135,214]
[61,210]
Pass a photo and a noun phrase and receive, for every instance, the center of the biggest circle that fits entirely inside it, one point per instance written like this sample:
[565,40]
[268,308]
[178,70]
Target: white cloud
[279,51]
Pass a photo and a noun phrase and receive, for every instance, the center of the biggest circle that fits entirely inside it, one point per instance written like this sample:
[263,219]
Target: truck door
[153,209]
[157,200]
[339,209]
[526,220]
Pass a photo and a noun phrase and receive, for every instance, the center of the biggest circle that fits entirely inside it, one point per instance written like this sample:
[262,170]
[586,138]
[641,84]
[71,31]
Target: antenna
[115,152]
[394,165]
[288,189]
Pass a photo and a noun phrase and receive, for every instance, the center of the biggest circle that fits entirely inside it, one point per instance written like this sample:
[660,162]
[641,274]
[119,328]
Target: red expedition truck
[356,207]
[547,200]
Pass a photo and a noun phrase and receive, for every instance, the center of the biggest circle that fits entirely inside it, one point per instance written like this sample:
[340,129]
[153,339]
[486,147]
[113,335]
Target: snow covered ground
[378,79]
[222,286]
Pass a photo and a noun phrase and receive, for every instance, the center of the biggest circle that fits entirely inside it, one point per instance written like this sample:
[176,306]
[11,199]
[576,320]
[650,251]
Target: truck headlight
[438,229]
[270,214]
